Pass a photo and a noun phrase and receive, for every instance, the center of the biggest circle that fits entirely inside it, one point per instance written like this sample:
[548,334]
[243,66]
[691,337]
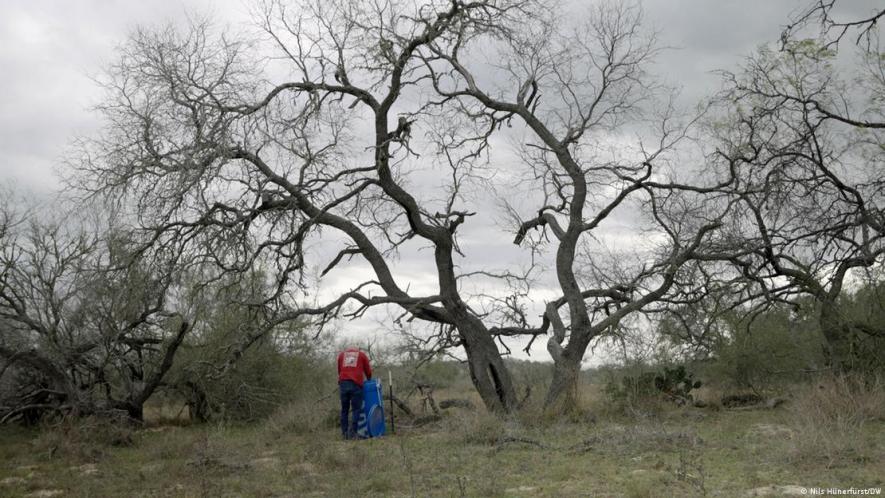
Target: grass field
[672,452]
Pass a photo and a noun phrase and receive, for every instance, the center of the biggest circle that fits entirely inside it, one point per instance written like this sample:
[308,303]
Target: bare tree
[91,333]
[831,31]
[805,146]
[577,87]
[238,172]
[212,159]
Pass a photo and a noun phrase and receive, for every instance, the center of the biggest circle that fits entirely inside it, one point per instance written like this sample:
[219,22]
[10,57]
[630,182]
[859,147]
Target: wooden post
[390,390]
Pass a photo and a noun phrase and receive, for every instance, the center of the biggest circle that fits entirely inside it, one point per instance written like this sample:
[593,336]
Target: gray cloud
[49,53]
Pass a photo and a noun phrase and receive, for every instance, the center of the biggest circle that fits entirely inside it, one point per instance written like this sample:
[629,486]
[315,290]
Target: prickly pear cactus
[677,383]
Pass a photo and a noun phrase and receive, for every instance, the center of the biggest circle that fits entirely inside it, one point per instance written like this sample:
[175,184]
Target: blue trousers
[351,407]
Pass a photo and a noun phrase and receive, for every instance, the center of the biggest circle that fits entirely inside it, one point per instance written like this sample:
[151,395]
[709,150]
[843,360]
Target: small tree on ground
[87,330]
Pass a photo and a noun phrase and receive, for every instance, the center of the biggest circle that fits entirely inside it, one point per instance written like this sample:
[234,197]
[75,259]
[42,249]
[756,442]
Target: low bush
[83,439]
[479,427]
[301,417]
[642,392]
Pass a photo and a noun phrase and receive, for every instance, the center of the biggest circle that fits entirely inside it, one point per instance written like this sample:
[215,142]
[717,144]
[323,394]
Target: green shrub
[631,391]
[440,374]
[865,308]
[641,391]
[631,387]
[282,367]
[774,348]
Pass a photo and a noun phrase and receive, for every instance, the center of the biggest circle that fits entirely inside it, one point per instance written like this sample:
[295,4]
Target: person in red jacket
[353,370]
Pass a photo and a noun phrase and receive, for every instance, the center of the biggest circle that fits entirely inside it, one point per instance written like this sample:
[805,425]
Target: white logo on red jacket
[351,358]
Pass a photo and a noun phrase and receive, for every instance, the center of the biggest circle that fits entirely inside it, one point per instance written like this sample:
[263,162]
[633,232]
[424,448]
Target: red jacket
[353,365]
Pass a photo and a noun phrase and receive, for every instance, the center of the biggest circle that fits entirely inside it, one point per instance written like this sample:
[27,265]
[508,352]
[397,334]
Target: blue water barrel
[371,421]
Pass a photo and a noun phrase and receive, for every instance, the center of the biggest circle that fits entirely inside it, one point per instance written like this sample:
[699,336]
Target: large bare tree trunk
[562,395]
[839,353]
[487,371]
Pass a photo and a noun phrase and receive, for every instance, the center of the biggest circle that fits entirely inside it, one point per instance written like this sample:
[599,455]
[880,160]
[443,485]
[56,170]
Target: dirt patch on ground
[47,493]
[151,468]
[776,431]
[520,489]
[89,469]
[266,462]
[304,468]
[774,490]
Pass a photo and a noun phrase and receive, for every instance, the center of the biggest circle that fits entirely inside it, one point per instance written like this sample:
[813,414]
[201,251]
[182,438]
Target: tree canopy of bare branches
[243,159]
[804,143]
[355,132]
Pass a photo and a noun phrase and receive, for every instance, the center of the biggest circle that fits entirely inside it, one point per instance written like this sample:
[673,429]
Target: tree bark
[562,395]
[197,402]
[487,371]
[839,352]
[135,412]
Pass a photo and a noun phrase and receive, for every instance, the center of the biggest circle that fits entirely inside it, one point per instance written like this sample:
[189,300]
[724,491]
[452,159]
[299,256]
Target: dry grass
[476,427]
[167,413]
[831,416]
[679,452]
[85,439]
[303,418]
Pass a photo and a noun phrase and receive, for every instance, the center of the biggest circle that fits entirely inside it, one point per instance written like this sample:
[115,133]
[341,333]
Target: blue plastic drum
[371,421]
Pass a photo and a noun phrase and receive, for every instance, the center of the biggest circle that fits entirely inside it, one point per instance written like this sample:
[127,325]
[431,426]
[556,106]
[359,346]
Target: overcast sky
[51,49]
